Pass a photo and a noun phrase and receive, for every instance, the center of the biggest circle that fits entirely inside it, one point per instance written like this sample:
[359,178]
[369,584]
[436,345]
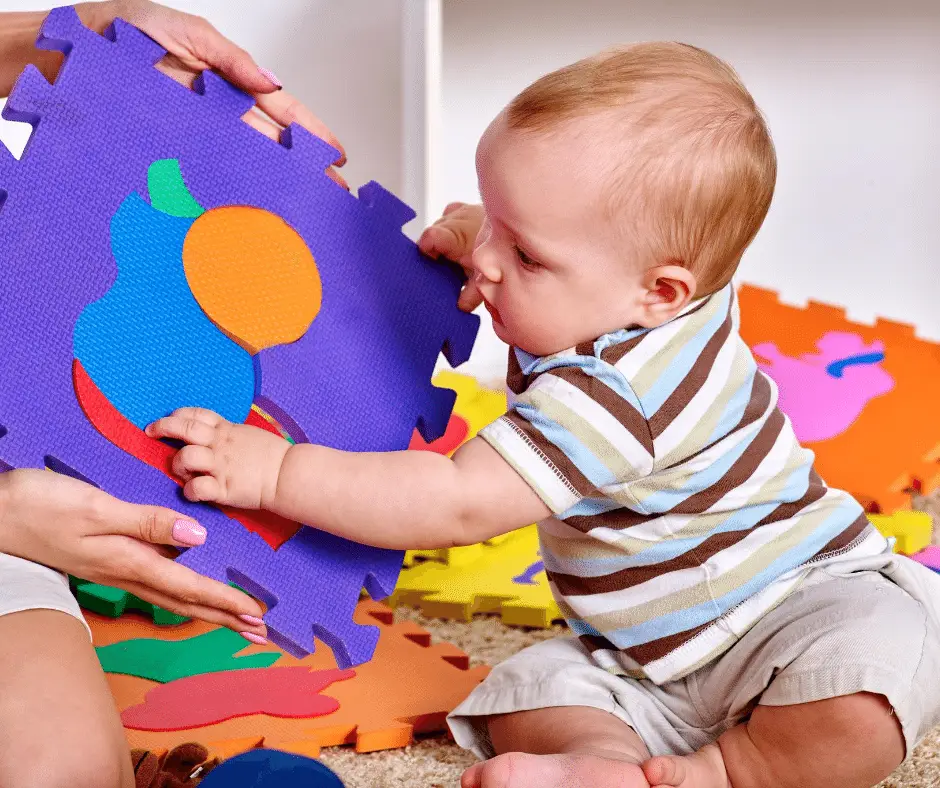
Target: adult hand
[72,526]
[454,236]
[194,45]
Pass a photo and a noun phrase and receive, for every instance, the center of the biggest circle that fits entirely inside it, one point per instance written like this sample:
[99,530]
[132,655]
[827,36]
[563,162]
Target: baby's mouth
[494,313]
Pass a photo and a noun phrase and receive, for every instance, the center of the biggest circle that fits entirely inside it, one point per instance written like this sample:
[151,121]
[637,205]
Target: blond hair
[699,171]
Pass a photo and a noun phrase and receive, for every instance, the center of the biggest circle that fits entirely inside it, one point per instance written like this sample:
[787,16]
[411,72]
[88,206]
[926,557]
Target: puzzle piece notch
[47,411]
[408,687]
[28,98]
[390,209]
[224,93]
[484,585]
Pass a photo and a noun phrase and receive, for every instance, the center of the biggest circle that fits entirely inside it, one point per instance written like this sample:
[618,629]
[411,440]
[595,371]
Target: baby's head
[616,190]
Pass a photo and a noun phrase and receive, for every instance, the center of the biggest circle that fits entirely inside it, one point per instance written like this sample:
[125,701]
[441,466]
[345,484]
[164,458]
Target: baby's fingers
[192,460]
[186,429]
[203,488]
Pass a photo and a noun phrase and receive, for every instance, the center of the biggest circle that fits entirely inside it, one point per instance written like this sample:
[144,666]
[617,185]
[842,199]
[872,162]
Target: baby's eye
[527,261]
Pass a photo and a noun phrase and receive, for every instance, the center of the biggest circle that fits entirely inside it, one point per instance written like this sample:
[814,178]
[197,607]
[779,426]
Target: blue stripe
[668,498]
[692,348]
[668,549]
[565,441]
[734,410]
[684,620]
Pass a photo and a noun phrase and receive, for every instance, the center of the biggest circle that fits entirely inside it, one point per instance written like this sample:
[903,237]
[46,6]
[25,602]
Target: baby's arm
[399,500]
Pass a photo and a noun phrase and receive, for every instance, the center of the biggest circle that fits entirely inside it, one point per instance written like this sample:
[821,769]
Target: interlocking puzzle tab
[408,687]
[358,378]
[862,397]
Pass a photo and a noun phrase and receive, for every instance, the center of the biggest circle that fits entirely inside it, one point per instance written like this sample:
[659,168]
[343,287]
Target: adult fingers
[188,430]
[284,108]
[154,525]
[448,241]
[189,609]
[210,46]
[192,460]
[470,297]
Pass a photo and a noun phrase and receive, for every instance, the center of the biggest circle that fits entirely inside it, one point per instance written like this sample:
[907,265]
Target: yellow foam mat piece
[477,406]
[499,578]
[912,531]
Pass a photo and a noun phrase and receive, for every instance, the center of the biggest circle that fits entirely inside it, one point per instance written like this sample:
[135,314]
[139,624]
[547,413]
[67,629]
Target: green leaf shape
[168,660]
[169,193]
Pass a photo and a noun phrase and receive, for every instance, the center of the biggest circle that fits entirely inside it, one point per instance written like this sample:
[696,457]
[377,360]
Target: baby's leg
[560,746]
[58,723]
[853,741]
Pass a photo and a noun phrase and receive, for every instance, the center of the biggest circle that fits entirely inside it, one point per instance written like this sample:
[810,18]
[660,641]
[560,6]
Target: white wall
[342,58]
[851,89]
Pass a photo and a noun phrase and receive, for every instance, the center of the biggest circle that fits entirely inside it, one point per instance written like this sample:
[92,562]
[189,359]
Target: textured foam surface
[359,379]
[864,395]
[408,687]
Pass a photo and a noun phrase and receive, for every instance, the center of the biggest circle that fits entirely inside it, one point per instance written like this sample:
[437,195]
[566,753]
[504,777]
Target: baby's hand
[454,236]
[232,464]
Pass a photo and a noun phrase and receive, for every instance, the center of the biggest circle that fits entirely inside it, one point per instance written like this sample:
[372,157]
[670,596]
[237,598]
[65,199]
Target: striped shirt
[684,507]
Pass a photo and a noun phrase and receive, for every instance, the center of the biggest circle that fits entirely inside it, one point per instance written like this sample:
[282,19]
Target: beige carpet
[438,763]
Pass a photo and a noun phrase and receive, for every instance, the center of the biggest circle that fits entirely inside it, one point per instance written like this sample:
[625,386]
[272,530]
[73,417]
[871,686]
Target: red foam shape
[109,421]
[211,698]
[455,434]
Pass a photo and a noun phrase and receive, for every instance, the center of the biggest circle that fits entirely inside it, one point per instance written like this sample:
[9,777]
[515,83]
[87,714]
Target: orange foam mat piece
[892,445]
[409,687]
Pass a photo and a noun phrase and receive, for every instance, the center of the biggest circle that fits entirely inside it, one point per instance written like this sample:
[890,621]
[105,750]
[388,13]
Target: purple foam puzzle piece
[359,380]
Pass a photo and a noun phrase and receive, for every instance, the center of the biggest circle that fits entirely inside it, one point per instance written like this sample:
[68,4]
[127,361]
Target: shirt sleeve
[575,432]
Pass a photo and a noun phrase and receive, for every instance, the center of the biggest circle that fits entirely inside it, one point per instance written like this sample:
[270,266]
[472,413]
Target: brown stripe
[516,382]
[584,349]
[558,458]
[737,474]
[698,374]
[611,401]
[755,410]
[618,520]
[657,649]
[740,472]
[574,585]
[845,538]
[614,353]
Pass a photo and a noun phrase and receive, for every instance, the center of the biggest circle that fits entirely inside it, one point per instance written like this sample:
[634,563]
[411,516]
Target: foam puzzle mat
[507,578]
[295,705]
[132,193]
[862,397]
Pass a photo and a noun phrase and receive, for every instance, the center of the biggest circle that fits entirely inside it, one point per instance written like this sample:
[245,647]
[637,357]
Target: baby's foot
[703,769]
[569,770]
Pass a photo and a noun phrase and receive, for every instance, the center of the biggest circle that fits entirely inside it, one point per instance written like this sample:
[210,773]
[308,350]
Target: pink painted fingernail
[271,76]
[252,638]
[253,620]
[189,533]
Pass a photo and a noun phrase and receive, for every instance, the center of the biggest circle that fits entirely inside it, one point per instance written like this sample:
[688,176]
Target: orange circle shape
[253,275]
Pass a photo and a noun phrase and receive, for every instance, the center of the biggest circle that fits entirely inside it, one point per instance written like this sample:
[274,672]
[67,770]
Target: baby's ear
[667,289]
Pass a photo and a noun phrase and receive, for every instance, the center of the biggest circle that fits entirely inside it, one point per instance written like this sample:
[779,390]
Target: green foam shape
[113,603]
[168,191]
[168,660]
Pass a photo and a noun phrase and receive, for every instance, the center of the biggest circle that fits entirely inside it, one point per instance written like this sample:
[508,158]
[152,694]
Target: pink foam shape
[819,405]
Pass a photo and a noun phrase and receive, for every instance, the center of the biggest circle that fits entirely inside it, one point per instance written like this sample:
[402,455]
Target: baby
[736,622]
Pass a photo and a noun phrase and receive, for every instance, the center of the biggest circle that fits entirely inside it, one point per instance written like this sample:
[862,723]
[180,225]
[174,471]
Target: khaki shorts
[28,586]
[871,625]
